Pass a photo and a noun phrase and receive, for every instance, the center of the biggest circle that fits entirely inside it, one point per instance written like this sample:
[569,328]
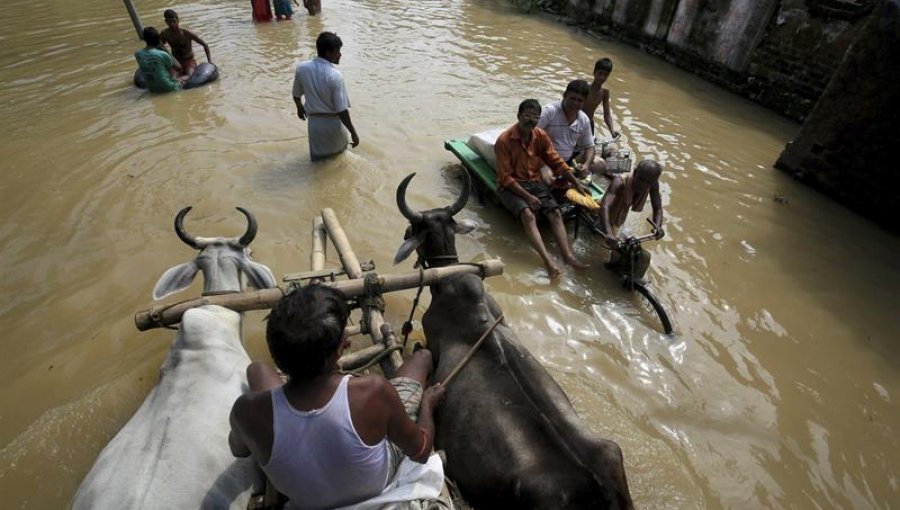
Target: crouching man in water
[161,71]
[324,439]
[626,194]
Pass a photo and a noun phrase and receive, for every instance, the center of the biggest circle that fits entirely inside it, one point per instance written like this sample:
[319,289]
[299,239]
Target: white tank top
[318,460]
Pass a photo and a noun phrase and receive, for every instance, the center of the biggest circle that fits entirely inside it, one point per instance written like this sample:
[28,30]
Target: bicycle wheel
[663,316]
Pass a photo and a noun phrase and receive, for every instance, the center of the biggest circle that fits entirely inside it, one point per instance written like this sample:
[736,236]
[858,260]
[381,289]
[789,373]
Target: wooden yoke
[373,320]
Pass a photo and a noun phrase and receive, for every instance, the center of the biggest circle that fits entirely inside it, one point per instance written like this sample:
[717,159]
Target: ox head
[432,233]
[221,260]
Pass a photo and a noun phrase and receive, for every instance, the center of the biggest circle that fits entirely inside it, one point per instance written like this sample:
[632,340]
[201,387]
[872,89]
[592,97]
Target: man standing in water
[158,67]
[626,194]
[521,152]
[327,104]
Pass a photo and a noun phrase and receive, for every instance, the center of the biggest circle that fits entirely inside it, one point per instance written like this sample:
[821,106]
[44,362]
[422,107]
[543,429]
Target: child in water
[283,9]
[313,7]
[179,40]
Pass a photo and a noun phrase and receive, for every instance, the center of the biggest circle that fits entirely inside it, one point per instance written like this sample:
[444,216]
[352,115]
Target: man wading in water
[327,104]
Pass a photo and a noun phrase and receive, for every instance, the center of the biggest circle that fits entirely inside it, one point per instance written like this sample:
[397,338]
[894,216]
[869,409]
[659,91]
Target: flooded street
[777,390]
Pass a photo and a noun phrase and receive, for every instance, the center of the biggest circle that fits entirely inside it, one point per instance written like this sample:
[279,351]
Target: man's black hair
[170,14]
[304,330]
[529,104]
[327,41]
[151,37]
[604,64]
[579,87]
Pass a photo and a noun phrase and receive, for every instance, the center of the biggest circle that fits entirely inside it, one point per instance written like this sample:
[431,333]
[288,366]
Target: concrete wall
[780,53]
[847,147]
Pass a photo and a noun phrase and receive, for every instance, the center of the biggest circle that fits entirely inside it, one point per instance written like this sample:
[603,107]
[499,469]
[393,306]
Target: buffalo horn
[409,214]
[179,229]
[250,234]
[463,196]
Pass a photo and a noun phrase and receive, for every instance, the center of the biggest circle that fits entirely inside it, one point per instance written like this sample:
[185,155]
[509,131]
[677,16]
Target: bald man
[630,193]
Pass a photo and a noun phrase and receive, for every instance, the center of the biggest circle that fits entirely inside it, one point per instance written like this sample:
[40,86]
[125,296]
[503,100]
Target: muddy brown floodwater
[778,390]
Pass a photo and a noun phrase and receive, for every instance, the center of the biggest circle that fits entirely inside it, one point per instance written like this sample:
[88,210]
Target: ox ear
[259,275]
[175,279]
[465,226]
[408,247]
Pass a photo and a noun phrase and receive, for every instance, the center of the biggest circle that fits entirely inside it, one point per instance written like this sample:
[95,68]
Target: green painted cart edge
[480,168]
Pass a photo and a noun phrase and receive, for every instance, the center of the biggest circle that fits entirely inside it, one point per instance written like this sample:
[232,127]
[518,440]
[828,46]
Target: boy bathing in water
[599,94]
[179,40]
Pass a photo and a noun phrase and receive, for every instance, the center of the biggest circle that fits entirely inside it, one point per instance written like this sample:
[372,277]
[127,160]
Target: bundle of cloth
[414,487]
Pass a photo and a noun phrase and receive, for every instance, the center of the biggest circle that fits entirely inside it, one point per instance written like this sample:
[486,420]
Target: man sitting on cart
[571,132]
[626,194]
[521,152]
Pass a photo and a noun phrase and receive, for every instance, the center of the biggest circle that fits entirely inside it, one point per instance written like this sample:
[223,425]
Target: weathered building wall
[780,53]
[848,146]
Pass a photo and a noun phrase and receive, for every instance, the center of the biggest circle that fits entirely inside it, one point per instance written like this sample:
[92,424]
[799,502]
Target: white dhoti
[326,136]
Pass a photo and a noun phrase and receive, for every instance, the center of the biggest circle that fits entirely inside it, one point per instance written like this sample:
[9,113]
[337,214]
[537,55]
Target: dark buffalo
[510,433]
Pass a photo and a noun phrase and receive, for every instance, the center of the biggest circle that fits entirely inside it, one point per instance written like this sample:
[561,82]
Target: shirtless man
[521,152]
[626,194]
[599,94]
[324,439]
[179,40]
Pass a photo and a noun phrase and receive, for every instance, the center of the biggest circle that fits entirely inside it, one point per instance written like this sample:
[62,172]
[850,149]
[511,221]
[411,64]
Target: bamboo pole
[359,358]
[135,19]
[166,315]
[317,255]
[341,243]
[351,264]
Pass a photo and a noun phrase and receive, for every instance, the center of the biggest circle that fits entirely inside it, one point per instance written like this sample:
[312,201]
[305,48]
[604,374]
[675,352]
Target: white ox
[173,453]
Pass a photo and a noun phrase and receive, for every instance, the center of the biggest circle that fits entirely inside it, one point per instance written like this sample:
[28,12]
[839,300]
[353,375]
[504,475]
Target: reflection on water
[776,391]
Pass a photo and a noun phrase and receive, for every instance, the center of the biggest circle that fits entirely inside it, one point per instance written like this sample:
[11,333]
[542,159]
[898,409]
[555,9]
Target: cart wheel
[663,316]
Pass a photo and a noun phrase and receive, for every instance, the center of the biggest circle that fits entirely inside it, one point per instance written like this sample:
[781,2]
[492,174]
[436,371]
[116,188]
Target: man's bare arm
[238,447]
[656,203]
[345,120]
[607,115]
[301,111]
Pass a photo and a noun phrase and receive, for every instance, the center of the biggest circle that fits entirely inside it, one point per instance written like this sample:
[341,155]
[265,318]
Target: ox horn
[463,196]
[250,234]
[182,233]
[412,216]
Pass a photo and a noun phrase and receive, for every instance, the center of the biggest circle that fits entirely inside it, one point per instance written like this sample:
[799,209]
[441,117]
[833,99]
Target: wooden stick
[341,243]
[359,358]
[471,352]
[166,315]
[351,264]
[317,255]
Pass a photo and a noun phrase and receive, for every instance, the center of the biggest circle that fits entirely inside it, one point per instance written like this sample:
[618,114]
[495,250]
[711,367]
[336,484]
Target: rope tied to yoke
[372,362]
[421,264]
[372,298]
[407,326]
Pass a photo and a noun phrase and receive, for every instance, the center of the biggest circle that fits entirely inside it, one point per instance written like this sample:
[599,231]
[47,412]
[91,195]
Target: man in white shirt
[570,129]
[327,104]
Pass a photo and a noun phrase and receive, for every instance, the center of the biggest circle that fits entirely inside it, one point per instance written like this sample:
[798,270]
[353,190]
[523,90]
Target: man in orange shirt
[521,152]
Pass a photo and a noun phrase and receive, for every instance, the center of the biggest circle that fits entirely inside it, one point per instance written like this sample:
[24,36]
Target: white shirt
[323,85]
[567,138]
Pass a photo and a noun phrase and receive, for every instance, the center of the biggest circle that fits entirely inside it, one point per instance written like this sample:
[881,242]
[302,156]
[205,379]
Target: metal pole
[135,19]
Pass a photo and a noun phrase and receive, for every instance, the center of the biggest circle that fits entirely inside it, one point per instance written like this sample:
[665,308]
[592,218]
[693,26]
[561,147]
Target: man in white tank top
[324,439]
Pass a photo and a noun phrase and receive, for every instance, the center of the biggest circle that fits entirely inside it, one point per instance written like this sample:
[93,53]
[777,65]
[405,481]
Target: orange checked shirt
[519,162]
